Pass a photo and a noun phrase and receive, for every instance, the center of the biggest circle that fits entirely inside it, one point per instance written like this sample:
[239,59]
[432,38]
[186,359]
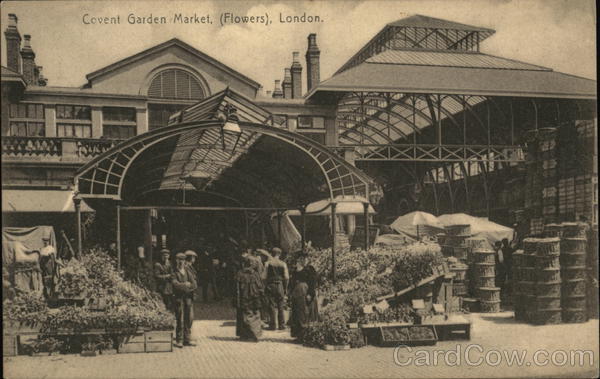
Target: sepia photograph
[299,189]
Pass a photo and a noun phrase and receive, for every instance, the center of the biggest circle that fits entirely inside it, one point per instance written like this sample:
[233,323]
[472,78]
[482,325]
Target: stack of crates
[455,241]
[526,283]
[573,263]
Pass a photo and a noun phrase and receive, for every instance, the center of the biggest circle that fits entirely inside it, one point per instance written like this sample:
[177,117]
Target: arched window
[175,84]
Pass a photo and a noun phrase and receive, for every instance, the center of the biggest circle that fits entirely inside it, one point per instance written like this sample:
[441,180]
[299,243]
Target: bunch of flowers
[27,308]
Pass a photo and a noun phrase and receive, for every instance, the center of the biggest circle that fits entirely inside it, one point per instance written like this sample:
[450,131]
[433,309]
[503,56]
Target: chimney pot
[12,20]
[26,41]
[277,92]
[287,84]
[28,57]
[296,57]
[287,75]
[313,70]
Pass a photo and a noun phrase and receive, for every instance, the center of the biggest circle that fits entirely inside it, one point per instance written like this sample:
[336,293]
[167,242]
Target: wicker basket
[489,306]
[547,302]
[517,258]
[573,315]
[529,260]
[530,245]
[516,274]
[485,269]
[573,245]
[456,241]
[573,287]
[484,256]
[548,246]
[547,262]
[528,274]
[460,252]
[573,272]
[459,289]
[548,316]
[477,243]
[574,230]
[548,288]
[485,281]
[574,302]
[527,288]
[441,238]
[573,259]
[552,230]
[488,294]
[548,275]
[458,230]
[460,271]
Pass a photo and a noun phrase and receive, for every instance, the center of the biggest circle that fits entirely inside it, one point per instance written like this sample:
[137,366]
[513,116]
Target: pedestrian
[49,267]
[163,274]
[184,285]
[249,293]
[276,276]
[206,274]
[303,297]
[500,267]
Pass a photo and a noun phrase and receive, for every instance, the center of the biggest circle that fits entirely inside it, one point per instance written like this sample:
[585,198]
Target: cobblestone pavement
[220,354]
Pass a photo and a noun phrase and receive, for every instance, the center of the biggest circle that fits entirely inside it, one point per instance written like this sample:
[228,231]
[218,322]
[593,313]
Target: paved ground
[220,354]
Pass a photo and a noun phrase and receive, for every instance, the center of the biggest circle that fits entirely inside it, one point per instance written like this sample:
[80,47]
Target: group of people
[260,285]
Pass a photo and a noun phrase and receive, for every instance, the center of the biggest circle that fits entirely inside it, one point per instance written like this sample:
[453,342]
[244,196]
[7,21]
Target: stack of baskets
[484,270]
[525,280]
[573,246]
[455,241]
[547,282]
[459,281]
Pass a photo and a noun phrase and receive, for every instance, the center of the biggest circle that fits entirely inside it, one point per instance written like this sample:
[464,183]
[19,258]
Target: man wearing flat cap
[163,273]
[276,276]
[184,285]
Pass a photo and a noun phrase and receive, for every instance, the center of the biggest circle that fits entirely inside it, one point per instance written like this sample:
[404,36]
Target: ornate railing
[55,149]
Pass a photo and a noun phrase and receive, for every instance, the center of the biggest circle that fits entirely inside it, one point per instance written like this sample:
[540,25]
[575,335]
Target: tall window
[118,123]
[74,121]
[175,84]
[26,120]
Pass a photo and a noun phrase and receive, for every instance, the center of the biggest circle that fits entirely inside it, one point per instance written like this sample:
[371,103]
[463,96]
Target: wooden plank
[156,347]
[132,348]
[159,336]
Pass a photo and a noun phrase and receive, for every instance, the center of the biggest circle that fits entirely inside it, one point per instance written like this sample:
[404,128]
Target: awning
[346,205]
[40,201]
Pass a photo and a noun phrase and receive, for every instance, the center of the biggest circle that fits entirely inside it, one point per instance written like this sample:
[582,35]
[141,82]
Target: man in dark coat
[303,297]
[163,273]
[276,277]
[248,302]
[206,274]
[184,285]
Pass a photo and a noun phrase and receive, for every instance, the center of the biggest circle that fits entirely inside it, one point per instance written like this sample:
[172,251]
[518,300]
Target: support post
[118,241]
[333,233]
[77,203]
[366,211]
[303,232]
[279,228]
[148,235]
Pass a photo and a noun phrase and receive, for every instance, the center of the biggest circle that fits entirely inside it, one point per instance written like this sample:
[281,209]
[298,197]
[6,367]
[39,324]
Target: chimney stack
[41,80]
[296,70]
[13,44]
[313,70]
[277,92]
[287,84]
[28,57]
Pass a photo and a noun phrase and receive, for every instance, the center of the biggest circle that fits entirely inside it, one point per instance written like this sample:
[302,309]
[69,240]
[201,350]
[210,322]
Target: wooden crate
[9,345]
[132,344]
[159,341]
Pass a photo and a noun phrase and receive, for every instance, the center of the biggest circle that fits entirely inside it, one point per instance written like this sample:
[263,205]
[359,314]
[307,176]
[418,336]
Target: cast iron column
[118,236]
[77,203]
[366,210]
[333,232]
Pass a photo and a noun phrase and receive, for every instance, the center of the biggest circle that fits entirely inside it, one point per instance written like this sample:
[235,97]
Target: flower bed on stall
[361,277]
[128,307]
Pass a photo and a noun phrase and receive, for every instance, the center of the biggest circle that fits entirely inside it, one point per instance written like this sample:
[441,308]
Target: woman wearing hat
[248,302]
[303,296]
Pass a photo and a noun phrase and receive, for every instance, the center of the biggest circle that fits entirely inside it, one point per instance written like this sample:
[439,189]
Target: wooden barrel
[485,269]
[573,245]
[553,230]
[530,245]
[548,288]
[484,256]
[548,316]
[548,246]
[573,259]
[528,274]
[485,281]
[574,230]
[574,302]
[546,262]
[573,272]
[489,306]
[547,275]
[547,302]
[458,230]
[573,287]
[527,288]
[488,294]
[478,243]
[574,315]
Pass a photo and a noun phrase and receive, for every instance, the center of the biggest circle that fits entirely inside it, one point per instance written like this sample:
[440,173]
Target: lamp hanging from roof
[230,125]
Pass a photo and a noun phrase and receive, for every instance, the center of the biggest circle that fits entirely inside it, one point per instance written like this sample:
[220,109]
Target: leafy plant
[329,331]
[27,308]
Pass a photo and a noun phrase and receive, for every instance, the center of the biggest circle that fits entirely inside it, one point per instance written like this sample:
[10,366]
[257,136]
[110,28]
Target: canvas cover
[480,227]
[291,240]
[424,223]
[17,243]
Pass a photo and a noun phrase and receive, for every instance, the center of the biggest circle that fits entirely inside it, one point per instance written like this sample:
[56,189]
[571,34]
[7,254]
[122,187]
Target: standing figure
[248,302]
[184,285]
[163,273]
[303,297]
[206,274]
[49,267]
[276,276]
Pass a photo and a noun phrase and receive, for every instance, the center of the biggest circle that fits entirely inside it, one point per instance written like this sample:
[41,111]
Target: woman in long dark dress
[303,297]
[249,301]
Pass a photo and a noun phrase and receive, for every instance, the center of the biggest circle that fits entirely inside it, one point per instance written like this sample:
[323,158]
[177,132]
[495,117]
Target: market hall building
[420,118]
